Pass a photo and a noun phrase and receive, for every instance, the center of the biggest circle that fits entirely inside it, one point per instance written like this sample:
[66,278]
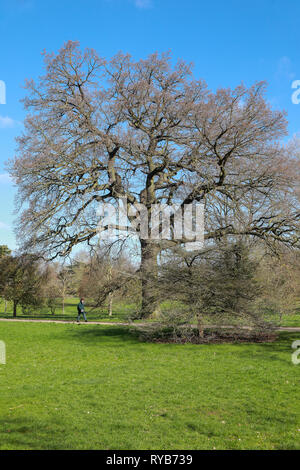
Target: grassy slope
[95,387]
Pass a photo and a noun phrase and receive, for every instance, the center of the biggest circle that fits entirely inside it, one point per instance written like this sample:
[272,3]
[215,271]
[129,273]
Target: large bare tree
[147,130]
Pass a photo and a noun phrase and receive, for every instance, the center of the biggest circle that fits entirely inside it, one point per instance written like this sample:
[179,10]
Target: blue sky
[228,42]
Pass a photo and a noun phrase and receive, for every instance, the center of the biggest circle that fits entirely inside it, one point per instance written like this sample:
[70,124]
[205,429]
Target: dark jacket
[80,307]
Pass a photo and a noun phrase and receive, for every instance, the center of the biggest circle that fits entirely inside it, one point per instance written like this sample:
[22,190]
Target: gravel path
[62,321]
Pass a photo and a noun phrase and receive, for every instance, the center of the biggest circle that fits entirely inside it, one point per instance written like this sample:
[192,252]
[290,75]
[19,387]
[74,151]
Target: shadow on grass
[100,333]
[29,434]
[121,334]
[279,350]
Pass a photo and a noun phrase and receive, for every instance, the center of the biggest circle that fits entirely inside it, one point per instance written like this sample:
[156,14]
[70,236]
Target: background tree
[65,276]
[219,287]
[279,277]
[106,279]
[51,287]
[98,130]
[4,251]
[21,281]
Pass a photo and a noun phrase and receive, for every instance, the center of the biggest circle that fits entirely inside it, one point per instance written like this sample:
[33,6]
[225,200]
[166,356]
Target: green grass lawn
[291,320]
[122,310]
[97,387]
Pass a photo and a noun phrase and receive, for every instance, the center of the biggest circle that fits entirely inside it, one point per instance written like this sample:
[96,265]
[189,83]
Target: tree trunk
[149,252]
[110,301]
[63,294]
[15,308]
[200,326]
[5,306]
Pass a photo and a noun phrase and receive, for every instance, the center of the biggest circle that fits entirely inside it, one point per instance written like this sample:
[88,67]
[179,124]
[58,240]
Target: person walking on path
[81,311]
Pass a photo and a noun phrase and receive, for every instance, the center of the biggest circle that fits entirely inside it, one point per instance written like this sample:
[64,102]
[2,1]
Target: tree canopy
[148,130]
